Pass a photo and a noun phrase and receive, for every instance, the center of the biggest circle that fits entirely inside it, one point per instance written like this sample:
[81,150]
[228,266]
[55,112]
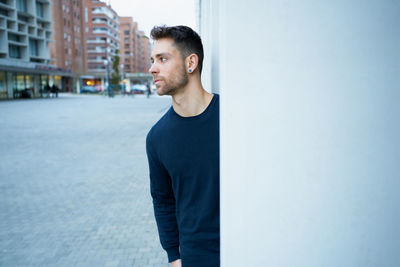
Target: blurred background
[76,105]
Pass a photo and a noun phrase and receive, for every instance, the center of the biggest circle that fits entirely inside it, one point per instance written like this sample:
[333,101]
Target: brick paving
[74,187]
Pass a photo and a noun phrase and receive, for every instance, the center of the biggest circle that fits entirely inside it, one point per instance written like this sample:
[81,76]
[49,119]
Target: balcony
[6,6]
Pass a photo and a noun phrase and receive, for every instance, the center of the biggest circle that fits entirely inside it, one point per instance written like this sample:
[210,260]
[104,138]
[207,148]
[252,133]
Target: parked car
[89,89]
[138,89]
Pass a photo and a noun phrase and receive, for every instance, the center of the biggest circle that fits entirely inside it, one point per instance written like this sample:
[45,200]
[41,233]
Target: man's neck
[191,100]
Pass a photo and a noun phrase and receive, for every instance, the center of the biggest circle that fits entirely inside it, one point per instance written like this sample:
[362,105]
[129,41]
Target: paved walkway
[74,187]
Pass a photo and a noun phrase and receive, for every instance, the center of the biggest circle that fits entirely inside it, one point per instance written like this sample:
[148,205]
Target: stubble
[176,82]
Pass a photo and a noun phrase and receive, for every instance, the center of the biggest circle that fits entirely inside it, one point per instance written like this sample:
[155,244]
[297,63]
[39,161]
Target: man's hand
[177,263]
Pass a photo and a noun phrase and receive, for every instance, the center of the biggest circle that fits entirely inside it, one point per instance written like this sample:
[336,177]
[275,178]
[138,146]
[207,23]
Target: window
[21,5]
[15,51]
[19,81]
[39,9]
[23,18]
[14,37]
[126,32]
[29,81]
[33,47]
[4,12]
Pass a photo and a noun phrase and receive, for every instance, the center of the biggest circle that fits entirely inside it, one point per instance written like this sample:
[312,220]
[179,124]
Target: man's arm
[163,203]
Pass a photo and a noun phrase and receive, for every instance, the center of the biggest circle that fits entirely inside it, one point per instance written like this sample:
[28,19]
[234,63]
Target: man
[183,152]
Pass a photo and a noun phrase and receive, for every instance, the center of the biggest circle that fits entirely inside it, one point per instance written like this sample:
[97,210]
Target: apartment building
[25,34]
[128,29]
[68,51]
[102,41]
[145,53]
[134,52]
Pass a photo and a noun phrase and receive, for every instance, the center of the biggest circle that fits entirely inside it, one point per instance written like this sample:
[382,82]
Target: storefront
[31,80]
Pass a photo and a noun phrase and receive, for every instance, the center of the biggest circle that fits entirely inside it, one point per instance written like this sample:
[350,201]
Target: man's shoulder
[160,126]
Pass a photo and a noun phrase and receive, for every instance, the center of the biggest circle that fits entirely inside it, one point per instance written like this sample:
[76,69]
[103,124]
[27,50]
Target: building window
[19,81]
[33,47]
[21,5]
[15,51]
[4,12]
[39,9]
[126,32]
[14,37]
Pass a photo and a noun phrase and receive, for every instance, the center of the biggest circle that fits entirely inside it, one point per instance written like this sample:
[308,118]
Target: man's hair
[185,39]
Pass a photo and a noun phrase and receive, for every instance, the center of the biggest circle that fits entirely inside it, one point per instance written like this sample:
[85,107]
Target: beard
[173,84]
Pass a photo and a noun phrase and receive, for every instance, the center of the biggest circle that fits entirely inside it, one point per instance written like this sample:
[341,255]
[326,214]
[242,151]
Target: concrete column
[36,82]
[309,132]
[10,84]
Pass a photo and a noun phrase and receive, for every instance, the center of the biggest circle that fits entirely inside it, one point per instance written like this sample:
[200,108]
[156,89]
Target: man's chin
[161,91]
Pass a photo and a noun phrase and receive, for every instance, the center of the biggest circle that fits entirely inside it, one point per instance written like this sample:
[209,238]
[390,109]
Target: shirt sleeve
[163,203]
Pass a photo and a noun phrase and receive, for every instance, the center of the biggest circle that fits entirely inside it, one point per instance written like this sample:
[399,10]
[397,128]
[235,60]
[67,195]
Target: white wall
[208,25]
[310,130]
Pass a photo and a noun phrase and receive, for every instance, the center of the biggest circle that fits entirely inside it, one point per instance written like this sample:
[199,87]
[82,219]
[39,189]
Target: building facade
[102,31]
[127,29]
[134,53]
[144,53]
[25,34]
[68,51]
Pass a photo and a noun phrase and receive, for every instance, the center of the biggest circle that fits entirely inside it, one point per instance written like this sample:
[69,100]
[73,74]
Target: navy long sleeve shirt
[183,154]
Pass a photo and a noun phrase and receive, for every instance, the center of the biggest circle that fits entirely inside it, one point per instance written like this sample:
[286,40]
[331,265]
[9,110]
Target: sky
[157,12]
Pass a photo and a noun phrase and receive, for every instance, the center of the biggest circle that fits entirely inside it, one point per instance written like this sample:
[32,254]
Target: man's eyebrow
[161,55]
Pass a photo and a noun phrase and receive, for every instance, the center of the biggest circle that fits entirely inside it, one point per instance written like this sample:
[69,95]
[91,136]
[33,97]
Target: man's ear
[191,63]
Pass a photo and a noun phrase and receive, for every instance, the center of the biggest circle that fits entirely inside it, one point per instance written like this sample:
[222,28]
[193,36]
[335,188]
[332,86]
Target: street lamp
[106,63]
[122,77]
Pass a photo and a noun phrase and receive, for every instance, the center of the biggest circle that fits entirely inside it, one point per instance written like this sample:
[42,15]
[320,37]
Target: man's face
[167,67]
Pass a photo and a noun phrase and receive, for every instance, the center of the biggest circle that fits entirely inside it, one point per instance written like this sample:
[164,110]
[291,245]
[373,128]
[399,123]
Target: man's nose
[152,69]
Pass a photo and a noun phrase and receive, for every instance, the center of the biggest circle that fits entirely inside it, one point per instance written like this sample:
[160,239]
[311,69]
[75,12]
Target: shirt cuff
[173,254]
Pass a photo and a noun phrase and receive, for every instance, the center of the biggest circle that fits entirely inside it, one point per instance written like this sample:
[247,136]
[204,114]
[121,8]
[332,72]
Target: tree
[115,76]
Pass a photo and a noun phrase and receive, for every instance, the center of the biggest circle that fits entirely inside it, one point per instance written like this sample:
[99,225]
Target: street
[74,185]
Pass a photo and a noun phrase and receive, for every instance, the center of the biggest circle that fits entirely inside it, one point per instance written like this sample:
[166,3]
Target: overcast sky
[157,12]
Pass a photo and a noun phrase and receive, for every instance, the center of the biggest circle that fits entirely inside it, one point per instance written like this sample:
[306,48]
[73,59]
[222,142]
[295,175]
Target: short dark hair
[186,40]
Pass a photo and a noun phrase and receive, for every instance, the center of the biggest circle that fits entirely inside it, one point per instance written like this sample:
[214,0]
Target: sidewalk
[74,182]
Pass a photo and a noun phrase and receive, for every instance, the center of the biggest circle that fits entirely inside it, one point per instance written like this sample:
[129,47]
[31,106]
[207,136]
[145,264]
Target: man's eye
[163,59]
